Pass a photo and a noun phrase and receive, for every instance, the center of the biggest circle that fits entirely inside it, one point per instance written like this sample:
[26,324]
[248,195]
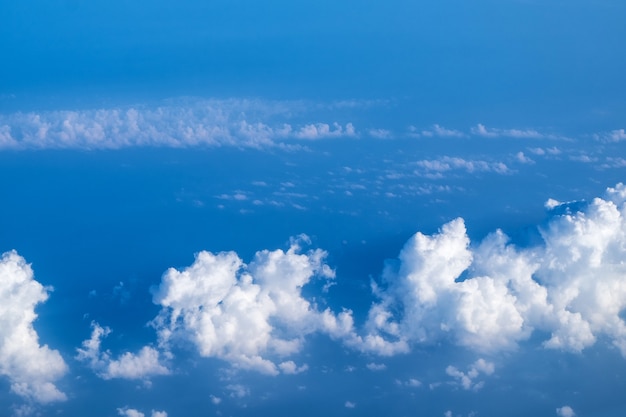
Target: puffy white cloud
[177,123]
[247,314]
[466,379]
[565,411]
[142,365]
[131,412]
[349,404]
[435,167]
[324,130]
[31,369]
[490,296]
[481,130]
[290,368]
[376,366]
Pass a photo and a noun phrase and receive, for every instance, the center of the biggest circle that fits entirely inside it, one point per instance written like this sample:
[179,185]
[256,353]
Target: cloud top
[246,314]
[32,369]
[492,295]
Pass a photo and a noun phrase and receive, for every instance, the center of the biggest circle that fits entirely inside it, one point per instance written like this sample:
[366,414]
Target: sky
[237,208]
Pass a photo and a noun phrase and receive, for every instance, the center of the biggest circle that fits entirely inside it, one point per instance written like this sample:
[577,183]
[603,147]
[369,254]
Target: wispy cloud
[482,130]
[617,135]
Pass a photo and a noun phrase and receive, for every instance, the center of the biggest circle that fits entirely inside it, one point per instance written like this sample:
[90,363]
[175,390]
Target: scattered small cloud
[617,135]
[349,404]
[482,130]
[565,411]
[467,379]
[376,366]
[142,365]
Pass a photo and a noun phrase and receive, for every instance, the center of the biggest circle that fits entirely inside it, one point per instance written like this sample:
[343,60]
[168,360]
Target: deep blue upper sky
[312,207]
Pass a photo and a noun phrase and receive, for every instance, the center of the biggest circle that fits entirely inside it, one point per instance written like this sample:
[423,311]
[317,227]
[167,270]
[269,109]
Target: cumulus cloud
[349,404]
[489,296]
[565,411]
[436,130]
[30,368]
[142,365]
[324,131]
[376,366]
[247,314]
[467,379]
[436,167]
[179,124]
[481,130]
[131,412]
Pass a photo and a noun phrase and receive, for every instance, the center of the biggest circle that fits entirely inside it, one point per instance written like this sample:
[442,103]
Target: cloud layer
[180,124]
[31,369]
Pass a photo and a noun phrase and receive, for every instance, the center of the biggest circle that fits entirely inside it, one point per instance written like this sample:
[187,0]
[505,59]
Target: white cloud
[238,390]
[436,130]
[176,123]
[565,411]
[379,133]
[142,365]
[481,130]
[523,158]
[430,167]
[376,366]
[290,368]
[490,296]
[215,400]
[131,412]
[467,379]
[349,404]
[324,131]
[247,314]
[31,369]
[617,135]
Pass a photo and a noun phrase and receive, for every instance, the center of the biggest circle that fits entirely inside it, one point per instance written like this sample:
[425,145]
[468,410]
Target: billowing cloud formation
[490,296]
[184,123]
[246,314]
[142,365]
[31,369]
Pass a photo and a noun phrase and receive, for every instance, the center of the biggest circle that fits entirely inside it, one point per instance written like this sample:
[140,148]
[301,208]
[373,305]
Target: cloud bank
[490,296]
[487,296]
[31,369]
[180,124]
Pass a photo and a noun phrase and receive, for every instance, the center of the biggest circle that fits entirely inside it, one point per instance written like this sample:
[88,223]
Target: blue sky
[237,208]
